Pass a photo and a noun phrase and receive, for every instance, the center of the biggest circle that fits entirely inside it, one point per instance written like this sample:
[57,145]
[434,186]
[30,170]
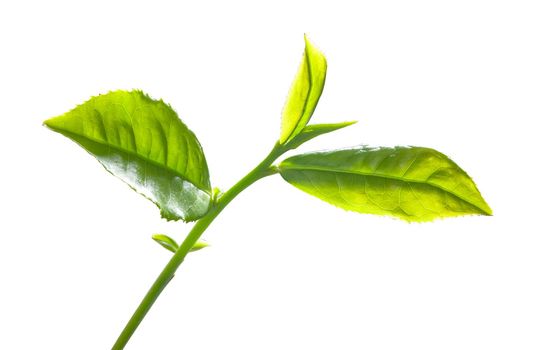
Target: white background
[285,270]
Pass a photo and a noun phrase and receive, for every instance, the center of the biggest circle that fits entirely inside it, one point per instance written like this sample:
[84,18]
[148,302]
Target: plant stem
[262,170]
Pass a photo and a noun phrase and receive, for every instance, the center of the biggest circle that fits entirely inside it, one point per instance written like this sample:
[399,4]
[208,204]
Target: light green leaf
[199,245]
[170,244]
[305,92]
[166,241]
[144,143]
[411,183]
[311,131]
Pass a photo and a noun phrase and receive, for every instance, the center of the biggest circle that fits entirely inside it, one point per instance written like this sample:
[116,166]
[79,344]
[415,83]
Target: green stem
[262,170]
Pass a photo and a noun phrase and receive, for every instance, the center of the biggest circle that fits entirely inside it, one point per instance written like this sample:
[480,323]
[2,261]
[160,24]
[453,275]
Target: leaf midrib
[305,106]
[342,171]
[130,152]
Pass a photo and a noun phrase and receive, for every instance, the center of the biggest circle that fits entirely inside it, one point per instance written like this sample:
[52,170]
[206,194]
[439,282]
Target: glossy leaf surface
[144,143]
[305,92]
[311,131]
[410,183]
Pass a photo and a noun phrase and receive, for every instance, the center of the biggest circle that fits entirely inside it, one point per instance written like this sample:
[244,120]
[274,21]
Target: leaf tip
[311,48]
[50,123]
[307,41]
[487,209]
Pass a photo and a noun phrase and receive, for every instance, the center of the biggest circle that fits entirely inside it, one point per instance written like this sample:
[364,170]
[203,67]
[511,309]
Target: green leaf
[311,131]
[170,244]
[199,245]
[144,143]
[166,241]
[305,92]
[411,183]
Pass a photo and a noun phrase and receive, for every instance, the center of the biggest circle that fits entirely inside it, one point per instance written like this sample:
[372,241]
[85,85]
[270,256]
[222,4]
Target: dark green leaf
[411,183]
[311,131]
[144,143]
[305,92]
